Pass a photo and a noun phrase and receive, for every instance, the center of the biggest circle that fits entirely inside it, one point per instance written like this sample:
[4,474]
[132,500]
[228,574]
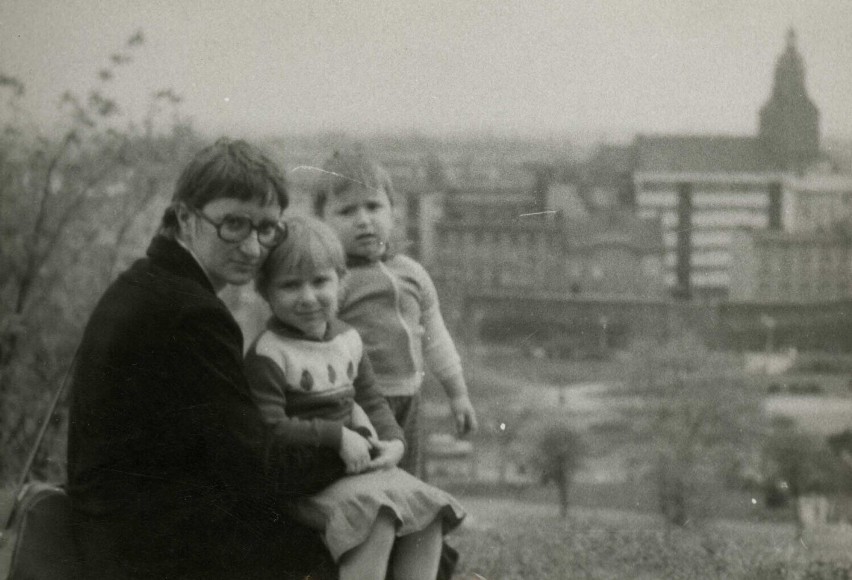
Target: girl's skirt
[347,509]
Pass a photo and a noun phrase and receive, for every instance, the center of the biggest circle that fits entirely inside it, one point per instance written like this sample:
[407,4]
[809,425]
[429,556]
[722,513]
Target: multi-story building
[818,200]
[575,278]
[609,253]
[790,267]
[705,188]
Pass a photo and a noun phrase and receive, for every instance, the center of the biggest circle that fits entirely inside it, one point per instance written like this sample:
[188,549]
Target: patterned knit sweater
[307,386]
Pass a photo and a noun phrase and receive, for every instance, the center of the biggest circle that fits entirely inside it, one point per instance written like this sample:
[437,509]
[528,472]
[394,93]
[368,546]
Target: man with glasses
[245,232]
[236,228]
[172,472]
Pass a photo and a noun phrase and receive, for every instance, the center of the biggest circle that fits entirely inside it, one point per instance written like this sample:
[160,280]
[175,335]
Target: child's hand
[388,454]
[354,451]
[360,419]
[464,415]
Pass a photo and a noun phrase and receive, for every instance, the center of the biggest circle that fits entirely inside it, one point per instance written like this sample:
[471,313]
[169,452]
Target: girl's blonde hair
[345,169]
[310,246]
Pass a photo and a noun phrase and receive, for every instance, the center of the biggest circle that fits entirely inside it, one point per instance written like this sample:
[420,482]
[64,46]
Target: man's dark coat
[172,471]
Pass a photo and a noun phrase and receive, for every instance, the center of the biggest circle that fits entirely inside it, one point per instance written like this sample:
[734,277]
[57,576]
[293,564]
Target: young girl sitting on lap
[311,378]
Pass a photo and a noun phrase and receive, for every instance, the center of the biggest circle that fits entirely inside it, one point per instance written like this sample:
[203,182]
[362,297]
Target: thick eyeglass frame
[280,229]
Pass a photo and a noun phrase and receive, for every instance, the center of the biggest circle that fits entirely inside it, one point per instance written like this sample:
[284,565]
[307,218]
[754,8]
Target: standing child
[311,379]
[390,298]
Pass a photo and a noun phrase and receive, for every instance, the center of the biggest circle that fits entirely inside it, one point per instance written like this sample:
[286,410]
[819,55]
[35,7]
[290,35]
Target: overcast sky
[524,67]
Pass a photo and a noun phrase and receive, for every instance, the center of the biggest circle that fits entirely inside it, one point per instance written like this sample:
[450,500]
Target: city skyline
[541,68]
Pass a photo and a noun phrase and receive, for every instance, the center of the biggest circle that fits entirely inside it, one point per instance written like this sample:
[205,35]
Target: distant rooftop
[700,154]
[611,159]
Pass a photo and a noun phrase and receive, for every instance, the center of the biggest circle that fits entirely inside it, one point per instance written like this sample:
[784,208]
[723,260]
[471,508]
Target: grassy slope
[507,540]
[511,540]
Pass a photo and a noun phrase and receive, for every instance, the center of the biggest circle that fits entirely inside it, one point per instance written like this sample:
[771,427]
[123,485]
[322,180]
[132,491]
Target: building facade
[607,254]
[706,188]
[701,207]
[817,200]
[807,266]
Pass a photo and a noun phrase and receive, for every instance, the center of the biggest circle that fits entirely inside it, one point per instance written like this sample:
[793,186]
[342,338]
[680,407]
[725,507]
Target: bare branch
[71,209]
[14,84]
[103,106]
[150,195]
[37,258]
[137,38]
[33,264]
[69,264]
[119,59]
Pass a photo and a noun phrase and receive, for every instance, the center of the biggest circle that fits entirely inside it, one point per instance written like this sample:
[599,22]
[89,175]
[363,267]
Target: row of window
[805,259]
[534,272]
[731,218]
[753,197]
[804,290]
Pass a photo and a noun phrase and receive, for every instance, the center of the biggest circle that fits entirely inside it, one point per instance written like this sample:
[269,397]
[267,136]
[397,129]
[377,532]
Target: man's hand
[354,451]
[464,415]
[388,454]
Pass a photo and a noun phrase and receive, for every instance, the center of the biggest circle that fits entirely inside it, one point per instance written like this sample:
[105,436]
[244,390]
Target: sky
[529,67]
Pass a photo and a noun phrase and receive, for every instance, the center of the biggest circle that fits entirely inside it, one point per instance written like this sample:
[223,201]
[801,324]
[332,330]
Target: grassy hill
[510,540]
[505,539]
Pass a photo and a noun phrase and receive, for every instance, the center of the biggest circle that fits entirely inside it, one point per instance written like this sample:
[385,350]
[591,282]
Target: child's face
[362,218]
[305,302]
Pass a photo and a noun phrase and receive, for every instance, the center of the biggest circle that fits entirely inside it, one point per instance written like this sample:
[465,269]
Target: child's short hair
[347,168]
[310,246]
[230,169]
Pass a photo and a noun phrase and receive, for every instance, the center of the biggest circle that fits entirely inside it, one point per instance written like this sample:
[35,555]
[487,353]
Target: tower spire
[789,121]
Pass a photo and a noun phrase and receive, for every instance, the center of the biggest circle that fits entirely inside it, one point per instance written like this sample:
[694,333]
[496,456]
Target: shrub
[697,416]
[559,453]
[805,463]
[776,493]
[75,209]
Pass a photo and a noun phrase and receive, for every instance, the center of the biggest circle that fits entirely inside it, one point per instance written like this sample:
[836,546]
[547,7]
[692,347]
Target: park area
[671,483]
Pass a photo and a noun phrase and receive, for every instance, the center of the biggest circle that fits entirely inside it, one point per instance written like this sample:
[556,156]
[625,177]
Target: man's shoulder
[148,274]
[151,294]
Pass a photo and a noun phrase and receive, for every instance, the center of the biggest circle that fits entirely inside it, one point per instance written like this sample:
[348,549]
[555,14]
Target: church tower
[789,121]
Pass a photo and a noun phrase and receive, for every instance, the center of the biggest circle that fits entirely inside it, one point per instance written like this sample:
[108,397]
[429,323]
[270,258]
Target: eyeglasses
[236,228]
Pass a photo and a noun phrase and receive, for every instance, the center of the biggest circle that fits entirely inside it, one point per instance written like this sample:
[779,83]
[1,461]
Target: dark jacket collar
[170,255]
